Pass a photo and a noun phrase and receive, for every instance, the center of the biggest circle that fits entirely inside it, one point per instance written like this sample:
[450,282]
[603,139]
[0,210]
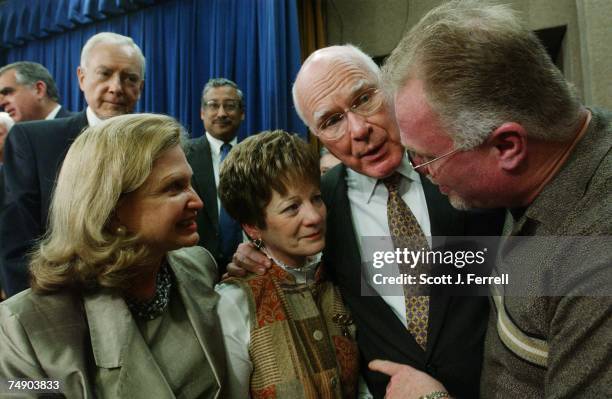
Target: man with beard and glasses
[491,120]
[222,112]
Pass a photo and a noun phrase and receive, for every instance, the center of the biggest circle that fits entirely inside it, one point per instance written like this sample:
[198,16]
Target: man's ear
[141,89]
[41,89]
[510,144]
[80,76]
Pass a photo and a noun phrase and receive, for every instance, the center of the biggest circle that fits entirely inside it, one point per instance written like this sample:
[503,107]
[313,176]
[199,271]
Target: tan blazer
[65,336]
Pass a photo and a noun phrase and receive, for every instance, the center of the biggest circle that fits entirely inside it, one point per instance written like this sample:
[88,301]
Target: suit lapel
[204,179]
[341,238]
[118,346]
[445,221]
[62,113]
[200,309]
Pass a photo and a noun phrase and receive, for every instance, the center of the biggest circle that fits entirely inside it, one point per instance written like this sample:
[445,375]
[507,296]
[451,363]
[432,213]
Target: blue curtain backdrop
[185,42]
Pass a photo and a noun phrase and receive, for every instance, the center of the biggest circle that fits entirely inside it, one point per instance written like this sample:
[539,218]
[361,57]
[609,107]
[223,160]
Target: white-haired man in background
[111,77]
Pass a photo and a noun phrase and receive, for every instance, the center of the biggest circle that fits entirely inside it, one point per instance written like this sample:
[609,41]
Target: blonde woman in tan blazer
[118,307]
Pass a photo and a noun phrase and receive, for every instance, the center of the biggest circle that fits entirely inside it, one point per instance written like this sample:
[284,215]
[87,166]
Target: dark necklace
[153,308]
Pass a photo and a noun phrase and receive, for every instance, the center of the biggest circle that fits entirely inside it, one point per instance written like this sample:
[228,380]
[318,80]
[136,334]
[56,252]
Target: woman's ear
[252,231]
[510,144]
[114,225]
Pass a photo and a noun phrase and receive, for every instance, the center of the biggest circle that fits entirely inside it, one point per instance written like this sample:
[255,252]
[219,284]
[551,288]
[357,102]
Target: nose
[195,202]
[221,110]
[314,214]
[114,84]
[3,101]
[358,126]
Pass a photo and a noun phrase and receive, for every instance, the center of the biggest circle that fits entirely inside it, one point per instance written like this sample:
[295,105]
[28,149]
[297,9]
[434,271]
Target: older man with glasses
[337,93]
[222,112]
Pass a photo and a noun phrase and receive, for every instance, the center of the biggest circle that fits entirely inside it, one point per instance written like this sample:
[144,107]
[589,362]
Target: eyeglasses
[424,161]
[228,105]
[366,103]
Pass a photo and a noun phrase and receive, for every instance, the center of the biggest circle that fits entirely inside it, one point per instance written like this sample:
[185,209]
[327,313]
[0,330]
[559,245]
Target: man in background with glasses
[337,93]
[222,112]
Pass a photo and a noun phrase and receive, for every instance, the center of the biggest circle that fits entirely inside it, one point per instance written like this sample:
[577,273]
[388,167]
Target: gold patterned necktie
[406,233]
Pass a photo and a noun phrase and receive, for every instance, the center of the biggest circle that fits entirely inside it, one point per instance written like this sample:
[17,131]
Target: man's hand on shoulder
[247,259]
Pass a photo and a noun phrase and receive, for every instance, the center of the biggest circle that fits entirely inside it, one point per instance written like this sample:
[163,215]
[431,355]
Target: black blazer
[198,155]
[64,113]
[457,324]
[33,155]
[1,188]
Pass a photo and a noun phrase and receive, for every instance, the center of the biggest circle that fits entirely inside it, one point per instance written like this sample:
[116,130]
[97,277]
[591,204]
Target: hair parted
[80,249]
[482,67]
[221,82]
[346,52]
[27,73]
[115,39]
[270,160]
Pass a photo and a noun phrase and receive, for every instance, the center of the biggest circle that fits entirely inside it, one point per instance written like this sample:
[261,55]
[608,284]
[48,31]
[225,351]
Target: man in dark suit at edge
[111,76]
[222,112]
[29,93]
[339,88]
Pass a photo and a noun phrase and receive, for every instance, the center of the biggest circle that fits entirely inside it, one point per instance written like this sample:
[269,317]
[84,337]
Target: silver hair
[222,82]
[112,38]
[346,52]
[481,67]
[27,73]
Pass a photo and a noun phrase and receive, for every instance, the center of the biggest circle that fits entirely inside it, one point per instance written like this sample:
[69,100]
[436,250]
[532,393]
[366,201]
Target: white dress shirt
[368,202]
[92,118]
[53,113]
[215,153]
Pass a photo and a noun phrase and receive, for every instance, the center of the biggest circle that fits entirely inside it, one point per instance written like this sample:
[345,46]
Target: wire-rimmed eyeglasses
[366,103]
[414,158]
[228,105]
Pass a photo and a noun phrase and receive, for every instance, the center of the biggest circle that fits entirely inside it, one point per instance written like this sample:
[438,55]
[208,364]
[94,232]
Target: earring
[258,242]
[121,231]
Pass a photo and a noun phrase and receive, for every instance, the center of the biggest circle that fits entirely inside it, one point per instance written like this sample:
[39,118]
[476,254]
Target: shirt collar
[53,113]
[215,143]
[302,274]
[92,118]
[367,184]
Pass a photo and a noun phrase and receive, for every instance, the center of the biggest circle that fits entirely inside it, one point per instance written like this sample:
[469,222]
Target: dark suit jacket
[456,324]
[33,155]
[1,187]
[200,159]
[63,113]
